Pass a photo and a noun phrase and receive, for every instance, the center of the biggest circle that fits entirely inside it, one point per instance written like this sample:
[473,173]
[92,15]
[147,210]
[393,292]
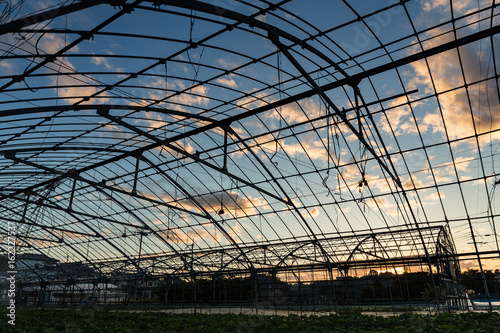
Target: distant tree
[387,274]
[472,280]
[429,294]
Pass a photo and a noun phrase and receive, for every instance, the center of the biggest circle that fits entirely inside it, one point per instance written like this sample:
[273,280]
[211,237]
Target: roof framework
[161,129]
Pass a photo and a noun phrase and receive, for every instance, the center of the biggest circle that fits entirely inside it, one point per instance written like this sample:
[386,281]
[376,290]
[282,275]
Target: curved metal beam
[282,261]
[57,148]
[167,142]
[288,199]
[46,228]
[250,251]
[49,230]
[361,243]
[64,108]
[51,14]
[200,206]
[357,77]
[16,25]
[99,188]
[53,206]
[76,176]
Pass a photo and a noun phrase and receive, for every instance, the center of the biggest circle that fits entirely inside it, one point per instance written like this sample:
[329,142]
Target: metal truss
[351,252]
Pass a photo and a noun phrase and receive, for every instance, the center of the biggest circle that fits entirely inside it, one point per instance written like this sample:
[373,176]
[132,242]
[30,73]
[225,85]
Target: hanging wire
[10,11]
[280,91]
[328,146]
[168,223]
[196,69]
[221,211]
[165,107]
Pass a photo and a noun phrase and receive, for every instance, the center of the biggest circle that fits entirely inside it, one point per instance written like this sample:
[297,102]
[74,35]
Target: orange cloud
[460,6]
[197,233]
[314,212]
[232,203]
[447,75]
[50,44]
[178,236]
[292,113]
[408,185]
[435,196]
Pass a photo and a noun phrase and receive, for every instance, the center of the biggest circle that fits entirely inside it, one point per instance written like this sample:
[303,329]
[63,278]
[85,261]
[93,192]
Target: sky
[294,172]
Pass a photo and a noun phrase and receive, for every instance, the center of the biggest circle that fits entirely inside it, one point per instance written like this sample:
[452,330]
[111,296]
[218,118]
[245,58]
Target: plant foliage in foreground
[42,320]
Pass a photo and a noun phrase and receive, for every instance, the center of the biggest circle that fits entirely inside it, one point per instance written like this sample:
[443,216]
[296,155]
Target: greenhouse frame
[251,154]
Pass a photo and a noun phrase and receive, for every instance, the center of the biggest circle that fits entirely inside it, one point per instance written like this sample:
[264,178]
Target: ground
[100,320]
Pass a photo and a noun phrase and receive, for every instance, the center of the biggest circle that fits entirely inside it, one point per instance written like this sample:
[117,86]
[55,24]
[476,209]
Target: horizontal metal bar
[63,108]
[167,143]
[27,21]
[74,175]
[73,211]
[20,221]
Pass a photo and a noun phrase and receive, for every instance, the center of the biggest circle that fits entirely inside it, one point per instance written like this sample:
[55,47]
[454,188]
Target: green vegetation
[44,320]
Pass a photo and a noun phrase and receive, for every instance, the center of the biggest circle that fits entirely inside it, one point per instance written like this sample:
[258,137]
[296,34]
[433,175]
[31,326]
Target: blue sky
[318,163]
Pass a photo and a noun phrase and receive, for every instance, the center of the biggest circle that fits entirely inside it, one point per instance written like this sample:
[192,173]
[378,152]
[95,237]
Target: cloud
[447,76]
[396,116]
[72,235]
[262,18]
[69,93]
[154,88]
[195,96]
[48,43]
[373,203]
[227,82]
[178,236]
[154,120]
[439,179]
[192,96]
[459,7]
[254,101]
[308,147]
[431,121]
[461,164]
[51,43]
[435,196]
[7,67]
[102,61]
[433,4]
[198,233]
[314,212]
[184,145]
[227,63]
[232,203]
[408,185]
[292,113]
[103,134]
